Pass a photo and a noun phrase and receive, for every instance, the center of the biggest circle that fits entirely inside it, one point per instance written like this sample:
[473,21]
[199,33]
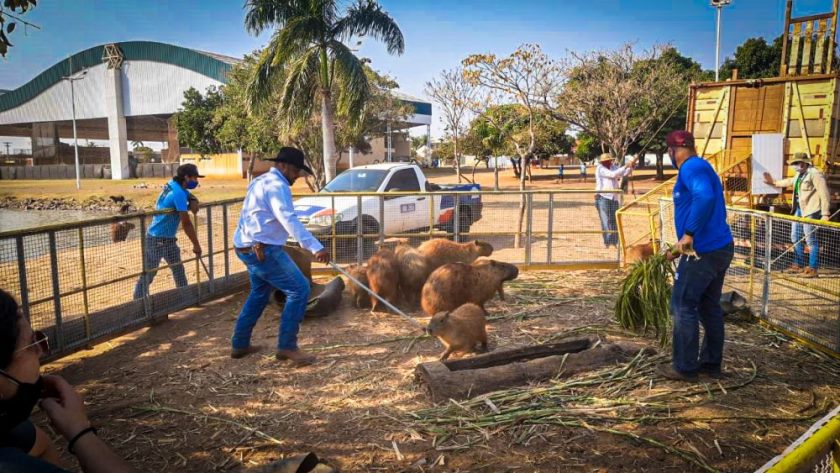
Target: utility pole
[718,5]
[73,79]
[7,143]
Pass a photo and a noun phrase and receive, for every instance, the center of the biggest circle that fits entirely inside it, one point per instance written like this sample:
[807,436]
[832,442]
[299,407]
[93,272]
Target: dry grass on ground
[169,398]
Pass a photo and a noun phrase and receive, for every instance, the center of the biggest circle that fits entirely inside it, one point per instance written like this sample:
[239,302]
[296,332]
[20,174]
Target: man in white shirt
[608,177]
[265,223]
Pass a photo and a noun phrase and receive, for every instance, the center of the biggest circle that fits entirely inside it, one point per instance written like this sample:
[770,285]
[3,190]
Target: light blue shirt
[174,197]
[268,215]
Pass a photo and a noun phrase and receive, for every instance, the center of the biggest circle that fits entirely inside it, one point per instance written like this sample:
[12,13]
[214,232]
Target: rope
[369,291]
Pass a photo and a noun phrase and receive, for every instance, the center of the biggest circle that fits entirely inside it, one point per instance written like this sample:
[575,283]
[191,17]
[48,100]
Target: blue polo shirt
[699,207]
[172,197]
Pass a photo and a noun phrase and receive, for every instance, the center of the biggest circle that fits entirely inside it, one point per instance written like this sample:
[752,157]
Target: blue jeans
[696,297]
[797,231]
[606,211]
[278,271]
[157,248]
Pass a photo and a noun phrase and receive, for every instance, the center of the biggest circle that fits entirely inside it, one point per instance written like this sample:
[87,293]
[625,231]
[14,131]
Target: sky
[438,33]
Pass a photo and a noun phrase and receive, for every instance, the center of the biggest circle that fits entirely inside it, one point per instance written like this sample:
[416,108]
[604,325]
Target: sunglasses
[40,340]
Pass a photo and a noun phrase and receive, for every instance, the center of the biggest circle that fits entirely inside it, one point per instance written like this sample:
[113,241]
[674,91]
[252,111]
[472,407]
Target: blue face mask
[192,184]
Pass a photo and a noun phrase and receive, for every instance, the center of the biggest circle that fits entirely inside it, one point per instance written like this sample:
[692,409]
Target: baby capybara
[358,295]
[638,252]
[455,284]
[441,251]
[461,330]
[414,270]
[383,273]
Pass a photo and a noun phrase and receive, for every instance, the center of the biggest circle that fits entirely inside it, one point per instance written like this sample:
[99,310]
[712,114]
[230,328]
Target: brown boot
[810,273]
[243,352]
[297,357]
[669,372]
[794,269]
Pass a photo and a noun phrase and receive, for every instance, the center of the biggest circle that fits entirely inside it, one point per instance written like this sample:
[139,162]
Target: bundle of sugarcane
[644,297]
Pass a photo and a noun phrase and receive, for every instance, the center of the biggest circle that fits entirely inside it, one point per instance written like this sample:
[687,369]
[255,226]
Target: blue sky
[439,33]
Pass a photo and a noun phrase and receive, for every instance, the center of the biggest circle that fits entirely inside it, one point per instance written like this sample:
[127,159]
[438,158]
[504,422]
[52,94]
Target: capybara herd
[450,281]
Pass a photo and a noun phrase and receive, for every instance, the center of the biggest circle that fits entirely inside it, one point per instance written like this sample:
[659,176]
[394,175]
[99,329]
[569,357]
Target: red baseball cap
[680,139]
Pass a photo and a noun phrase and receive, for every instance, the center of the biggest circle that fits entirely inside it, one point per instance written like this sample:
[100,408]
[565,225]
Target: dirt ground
[143,192]
[169,397]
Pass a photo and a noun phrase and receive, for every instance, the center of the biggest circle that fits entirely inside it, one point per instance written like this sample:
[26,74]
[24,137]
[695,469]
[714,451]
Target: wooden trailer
[801,103]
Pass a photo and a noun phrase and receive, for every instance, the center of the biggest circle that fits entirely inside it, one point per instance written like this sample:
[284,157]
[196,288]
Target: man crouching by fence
[161,240]
[706,245]
[267,219]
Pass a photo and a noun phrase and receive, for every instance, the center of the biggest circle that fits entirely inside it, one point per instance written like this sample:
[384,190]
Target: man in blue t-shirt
[161,241]
[700,220]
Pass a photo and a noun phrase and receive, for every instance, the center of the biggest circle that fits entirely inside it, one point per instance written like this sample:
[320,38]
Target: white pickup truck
[399,213]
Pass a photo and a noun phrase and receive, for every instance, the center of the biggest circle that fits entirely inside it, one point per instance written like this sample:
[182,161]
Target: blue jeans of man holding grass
[696,298]
[278,271]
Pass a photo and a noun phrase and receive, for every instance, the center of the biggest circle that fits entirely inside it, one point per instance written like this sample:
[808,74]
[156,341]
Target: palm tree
[307,60]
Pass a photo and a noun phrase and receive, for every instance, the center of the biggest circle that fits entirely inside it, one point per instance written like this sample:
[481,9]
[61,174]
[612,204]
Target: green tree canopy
[195,121]
[308,61]
[754,59]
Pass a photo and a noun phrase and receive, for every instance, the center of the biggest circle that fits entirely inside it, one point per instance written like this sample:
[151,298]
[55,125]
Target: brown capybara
[462,330]
[638,252]
[414,270]
[441,251]
[119,230]
[383,273]
[301,258]
[358,295]
[455,284]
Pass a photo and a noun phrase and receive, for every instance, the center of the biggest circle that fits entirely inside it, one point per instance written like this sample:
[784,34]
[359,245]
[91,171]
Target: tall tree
[524,78]
[11,11]
[194,120]
[616,96]
[307,51]
[587,147]
[754,59]
[454,95]
[653,139]
[253,130]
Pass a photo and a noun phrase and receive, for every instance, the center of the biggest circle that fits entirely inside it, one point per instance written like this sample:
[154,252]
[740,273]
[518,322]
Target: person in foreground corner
[700,221]
[266,221]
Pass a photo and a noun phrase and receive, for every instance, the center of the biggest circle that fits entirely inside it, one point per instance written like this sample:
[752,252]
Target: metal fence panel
[83,282]
[805,306]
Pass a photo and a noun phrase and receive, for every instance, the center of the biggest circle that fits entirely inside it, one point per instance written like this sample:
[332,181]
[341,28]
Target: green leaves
[644,298]
[13,6]
[194,120]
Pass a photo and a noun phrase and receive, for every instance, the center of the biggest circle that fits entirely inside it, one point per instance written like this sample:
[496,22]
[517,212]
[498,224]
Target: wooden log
[462,379]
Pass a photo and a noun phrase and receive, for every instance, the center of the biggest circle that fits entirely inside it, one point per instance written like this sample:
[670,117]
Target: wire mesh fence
[91,280]
[787,267]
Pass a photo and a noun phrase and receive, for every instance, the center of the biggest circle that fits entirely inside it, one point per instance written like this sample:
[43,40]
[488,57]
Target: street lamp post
[718,5]
[72,79]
